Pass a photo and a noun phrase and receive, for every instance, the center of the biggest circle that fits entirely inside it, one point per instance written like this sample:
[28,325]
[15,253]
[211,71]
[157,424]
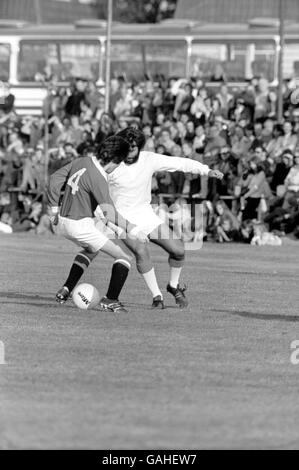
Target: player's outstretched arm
[186,165]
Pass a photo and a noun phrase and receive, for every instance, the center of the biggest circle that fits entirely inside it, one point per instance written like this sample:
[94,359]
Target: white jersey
[130,186]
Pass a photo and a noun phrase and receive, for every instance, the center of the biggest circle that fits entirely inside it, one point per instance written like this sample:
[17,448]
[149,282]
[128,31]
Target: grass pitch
[217,375]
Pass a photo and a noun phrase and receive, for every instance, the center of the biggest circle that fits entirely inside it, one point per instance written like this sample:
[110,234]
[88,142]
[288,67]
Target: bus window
[36,57]
[235,66]
[166,58]
[264,61]
[64,60]
[134,59]
[251,60]
[233,61]
[81,59]
[126,60]
[291,60]
[207,60]
[4,62]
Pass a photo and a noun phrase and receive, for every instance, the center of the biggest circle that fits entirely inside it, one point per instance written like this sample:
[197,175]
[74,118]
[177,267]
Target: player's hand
[138,235]
[142,237]
[53,213]
[216,174]
[54,220]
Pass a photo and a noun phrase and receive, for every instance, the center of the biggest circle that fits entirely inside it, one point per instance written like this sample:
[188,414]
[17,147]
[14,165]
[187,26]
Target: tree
[138,11]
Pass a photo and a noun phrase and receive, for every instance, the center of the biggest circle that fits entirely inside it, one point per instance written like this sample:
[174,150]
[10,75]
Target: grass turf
[217,375]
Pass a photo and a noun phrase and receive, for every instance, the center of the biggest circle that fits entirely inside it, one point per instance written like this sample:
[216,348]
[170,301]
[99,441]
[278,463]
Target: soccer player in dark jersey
[85,187]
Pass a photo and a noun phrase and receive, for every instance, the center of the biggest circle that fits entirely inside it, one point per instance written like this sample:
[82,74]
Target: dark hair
[259,165]
[133,137]
[88,149]
[260,146]
[113,149]
[89,135]
[68,144]
[278,128]
[186,142]
[249,127]
[287,152]
[161,146]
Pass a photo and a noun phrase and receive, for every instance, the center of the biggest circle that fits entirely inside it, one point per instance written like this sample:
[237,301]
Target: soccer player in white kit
[130,189]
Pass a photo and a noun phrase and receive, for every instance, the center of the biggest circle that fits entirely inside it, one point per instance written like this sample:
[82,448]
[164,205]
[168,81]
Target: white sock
[151,282]
[174,276]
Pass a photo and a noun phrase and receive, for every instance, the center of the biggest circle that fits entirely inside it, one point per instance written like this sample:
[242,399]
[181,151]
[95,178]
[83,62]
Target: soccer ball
[85,296]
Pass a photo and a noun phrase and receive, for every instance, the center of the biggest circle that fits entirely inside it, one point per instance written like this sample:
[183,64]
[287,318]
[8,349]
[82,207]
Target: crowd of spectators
[233,130]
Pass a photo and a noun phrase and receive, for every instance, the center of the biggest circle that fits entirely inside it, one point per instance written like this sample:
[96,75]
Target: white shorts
[83,233]
[147,221]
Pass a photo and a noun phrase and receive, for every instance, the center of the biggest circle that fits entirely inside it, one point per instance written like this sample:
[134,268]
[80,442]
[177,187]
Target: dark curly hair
[113,149]
[133,136]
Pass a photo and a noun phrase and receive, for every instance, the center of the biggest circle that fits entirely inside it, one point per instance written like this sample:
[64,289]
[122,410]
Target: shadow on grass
[36,300]
[29,296]
[260,316]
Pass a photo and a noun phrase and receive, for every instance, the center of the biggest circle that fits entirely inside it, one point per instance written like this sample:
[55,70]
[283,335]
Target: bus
[172,48]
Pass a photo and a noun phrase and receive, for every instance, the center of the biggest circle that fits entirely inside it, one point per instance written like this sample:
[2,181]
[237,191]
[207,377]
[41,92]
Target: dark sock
[119,275]
[74,276]
[81,262]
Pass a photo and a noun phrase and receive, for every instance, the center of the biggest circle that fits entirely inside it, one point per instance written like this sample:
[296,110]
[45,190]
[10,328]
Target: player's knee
[178,252]
[125,256]
[128,258]
[141,252]
[89,254]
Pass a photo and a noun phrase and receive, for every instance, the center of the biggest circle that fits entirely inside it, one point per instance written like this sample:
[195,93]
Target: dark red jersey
[85,186]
